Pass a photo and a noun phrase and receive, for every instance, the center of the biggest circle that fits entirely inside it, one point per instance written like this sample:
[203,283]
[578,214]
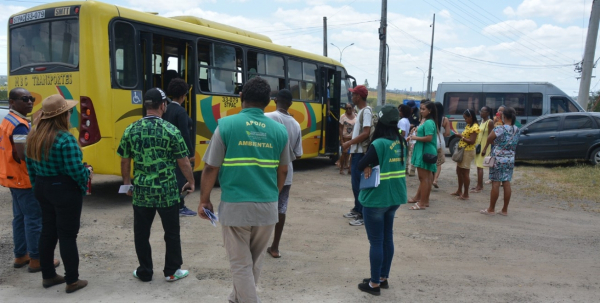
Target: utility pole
[588,56]
[430,60]
[325,36]
[382,55]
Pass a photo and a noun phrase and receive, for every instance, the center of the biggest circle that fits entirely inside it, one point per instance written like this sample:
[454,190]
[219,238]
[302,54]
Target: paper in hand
[212,217]
[125,188]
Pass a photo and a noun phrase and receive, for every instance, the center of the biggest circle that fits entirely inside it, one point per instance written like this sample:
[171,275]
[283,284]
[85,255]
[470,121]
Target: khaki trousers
[245,246]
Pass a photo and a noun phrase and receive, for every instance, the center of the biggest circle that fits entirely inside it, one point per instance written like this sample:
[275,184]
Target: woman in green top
[59,182]
[426,143]
[388,151]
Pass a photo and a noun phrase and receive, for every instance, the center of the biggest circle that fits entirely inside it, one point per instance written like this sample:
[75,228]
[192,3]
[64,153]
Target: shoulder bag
[458,154]
[478,147]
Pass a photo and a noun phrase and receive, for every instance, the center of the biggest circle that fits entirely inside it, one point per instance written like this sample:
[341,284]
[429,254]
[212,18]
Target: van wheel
[453,145]
[595,156]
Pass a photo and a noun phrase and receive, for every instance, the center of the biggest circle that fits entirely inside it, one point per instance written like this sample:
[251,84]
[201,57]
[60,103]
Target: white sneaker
[357,222]
[178,275]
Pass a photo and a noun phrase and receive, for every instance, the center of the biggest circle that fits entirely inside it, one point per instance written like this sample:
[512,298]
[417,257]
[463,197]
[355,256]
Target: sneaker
[351,215]
[382,284]
[136,276]
[179,274]
[376,291]
[357,222]
[186,212]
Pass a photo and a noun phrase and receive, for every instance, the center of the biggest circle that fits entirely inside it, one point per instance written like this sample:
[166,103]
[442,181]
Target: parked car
[566,136]
[3,112]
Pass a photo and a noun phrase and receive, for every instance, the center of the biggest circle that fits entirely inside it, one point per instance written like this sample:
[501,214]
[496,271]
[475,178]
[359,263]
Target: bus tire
[595,156]
[453,145]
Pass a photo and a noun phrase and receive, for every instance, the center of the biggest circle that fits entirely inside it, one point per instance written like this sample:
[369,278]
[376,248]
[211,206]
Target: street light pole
[342,50]
[422,83]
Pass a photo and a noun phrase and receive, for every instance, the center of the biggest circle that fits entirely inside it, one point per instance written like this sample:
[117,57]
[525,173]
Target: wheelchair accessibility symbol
[136,97]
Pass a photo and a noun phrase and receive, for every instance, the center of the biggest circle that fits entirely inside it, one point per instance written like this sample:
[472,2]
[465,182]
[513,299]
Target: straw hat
[56,105]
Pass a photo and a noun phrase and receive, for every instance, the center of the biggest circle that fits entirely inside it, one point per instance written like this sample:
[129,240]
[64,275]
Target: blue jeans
[356,157]
[27,223]
[379,223]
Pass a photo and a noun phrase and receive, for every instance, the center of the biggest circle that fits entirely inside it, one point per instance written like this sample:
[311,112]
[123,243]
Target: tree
[594,103]
[366,83]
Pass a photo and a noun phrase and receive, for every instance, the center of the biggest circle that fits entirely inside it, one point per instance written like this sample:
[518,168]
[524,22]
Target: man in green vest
[249,152]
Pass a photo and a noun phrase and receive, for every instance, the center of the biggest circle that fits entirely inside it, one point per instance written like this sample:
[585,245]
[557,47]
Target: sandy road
[447,253]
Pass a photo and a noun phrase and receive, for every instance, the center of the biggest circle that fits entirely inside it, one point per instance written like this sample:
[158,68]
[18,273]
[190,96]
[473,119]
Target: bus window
[516,101]
[125,63]
[458,103]
[561,105]
[303,77]
[220,67]
[45,42]
[268,67]
[535,103]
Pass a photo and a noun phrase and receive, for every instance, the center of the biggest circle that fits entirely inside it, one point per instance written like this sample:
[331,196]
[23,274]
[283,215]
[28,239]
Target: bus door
[166,58]
[330,83]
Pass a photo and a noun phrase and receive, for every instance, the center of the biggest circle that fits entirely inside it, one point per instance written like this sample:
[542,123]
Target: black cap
[155,95]
[389,115]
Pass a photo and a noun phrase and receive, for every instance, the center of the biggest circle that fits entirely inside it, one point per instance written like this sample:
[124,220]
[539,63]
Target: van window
[597,121]
[578,123]
[458,103]
[561,105]
[514,100]
[535,103]
[544,125]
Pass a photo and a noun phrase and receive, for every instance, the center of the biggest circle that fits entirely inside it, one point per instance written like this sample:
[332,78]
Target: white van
[529,99]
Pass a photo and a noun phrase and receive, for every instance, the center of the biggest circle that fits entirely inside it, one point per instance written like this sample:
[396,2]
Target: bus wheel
[595,156]
[453,145]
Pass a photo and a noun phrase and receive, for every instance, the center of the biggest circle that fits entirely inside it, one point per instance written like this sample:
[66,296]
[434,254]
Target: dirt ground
[541,252]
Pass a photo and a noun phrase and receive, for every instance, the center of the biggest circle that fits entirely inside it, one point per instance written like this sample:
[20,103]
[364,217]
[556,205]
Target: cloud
[559,10]
[510,27]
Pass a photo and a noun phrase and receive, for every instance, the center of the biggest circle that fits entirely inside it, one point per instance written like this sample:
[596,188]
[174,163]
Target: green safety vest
[253,145]
[392,186]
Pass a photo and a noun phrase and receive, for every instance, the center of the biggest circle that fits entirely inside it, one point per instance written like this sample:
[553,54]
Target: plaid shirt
[64,159]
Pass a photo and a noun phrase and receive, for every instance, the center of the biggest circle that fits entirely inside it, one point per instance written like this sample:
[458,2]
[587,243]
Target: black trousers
[61,201]
[142,222]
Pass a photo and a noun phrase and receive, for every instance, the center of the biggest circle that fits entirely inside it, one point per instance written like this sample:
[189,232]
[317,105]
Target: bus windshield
[55,42]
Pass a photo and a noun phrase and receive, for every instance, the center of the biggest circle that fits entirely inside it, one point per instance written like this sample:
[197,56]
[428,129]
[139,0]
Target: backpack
[374,118]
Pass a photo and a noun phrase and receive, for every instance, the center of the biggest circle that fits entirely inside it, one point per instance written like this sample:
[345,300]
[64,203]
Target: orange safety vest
[12,173]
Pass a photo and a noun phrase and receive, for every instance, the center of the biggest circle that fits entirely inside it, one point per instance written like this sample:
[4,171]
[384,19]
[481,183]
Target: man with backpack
[358,147]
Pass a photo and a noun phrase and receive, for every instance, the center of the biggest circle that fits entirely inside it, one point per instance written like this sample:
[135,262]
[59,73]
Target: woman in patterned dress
[505,139]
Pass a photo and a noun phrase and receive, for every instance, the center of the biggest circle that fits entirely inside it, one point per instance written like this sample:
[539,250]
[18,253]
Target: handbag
[489,161]
[429,158]
[458,154]
[478,149]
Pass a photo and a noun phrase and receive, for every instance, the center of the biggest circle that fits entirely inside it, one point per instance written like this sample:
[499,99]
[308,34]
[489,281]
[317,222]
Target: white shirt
[294,138]
[404,125]
[367,121]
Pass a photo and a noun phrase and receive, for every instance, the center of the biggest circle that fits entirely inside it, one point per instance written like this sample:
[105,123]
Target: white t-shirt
[367,121]
[404,125]
[294,138]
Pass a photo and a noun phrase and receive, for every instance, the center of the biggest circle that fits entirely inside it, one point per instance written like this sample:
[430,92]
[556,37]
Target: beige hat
[56,105]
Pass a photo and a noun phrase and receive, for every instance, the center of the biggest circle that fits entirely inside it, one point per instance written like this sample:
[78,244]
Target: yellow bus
[107,56]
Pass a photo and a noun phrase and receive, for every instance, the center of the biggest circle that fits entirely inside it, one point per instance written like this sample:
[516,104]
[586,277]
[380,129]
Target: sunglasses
[27,98]
[467,113]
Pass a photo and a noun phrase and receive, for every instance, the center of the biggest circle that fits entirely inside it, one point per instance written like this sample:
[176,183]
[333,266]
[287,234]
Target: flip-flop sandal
[435,185]
[411,200]
[486,212]
[475,191]
[417,207]
[500,213]
[454,194]
[273,254]
[462,198]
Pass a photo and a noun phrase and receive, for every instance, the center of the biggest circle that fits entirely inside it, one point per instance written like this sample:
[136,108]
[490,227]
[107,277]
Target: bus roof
[190,24]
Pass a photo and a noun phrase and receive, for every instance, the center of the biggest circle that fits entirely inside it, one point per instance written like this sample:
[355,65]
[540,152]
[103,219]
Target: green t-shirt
[154,145]
[392,186]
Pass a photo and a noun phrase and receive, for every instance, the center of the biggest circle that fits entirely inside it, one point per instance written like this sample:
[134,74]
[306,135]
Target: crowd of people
[405,139]
[43,169]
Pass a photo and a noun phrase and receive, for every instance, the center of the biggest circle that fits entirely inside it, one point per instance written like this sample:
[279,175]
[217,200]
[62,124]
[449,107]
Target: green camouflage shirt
[154,145]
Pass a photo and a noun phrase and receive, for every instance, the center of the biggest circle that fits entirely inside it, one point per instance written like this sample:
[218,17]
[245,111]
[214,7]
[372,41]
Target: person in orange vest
[27,221]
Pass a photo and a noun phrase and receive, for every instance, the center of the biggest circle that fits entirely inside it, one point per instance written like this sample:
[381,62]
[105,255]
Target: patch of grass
[567,183]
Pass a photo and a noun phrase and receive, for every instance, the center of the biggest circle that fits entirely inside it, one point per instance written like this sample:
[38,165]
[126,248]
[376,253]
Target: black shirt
[177,116]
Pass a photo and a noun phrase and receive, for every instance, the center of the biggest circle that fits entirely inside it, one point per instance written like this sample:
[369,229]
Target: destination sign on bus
[29,17]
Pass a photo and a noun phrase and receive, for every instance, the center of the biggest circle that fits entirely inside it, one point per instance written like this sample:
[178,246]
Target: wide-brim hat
[55,105]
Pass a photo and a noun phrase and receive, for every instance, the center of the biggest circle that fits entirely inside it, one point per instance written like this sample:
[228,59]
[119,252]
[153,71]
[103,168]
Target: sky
[475,40]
